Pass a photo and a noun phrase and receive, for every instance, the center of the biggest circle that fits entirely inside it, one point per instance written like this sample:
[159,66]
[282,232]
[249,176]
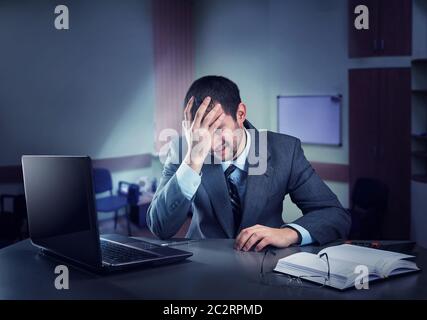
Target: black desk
[215,271]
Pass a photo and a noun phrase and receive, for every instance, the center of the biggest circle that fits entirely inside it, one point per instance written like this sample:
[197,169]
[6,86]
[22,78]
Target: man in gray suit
[234,178]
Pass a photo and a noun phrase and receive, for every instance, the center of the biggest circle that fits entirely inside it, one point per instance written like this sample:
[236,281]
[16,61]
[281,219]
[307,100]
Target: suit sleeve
[323,215]
[170,205]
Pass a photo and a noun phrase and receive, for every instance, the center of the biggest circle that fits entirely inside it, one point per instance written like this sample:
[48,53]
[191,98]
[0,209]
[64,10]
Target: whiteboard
[312,119]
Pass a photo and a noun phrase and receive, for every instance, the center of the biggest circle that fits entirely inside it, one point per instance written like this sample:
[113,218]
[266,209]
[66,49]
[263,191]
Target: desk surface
[215,271]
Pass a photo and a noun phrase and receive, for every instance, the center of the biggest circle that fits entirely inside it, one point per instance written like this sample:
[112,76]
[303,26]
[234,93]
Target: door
[379,139]
[395,148]
[364,123]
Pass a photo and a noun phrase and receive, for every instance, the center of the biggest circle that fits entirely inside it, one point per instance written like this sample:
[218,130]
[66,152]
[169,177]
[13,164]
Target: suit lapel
[214,183]
[255,199]
[257,185]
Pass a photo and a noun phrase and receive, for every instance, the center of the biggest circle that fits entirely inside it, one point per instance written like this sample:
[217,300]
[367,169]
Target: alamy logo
[362,20]
[62,20]
[362,280]
[62,280]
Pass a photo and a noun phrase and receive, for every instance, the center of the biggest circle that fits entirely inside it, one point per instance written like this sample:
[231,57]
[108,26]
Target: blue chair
[103,183]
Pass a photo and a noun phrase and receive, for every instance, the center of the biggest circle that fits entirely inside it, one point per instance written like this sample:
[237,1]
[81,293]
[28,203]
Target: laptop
[62,218]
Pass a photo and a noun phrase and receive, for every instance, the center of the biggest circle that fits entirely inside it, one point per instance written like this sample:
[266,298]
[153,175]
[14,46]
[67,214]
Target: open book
[343,260]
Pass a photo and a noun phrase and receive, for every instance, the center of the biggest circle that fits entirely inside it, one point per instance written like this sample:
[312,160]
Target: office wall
[91,89]
[276,48]
[86,90]
[287,47]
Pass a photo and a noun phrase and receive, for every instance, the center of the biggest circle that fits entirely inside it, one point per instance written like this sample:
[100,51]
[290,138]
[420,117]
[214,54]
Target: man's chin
[222,155]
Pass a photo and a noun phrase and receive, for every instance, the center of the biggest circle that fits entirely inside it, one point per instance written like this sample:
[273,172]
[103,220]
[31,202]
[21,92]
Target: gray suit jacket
[287,171]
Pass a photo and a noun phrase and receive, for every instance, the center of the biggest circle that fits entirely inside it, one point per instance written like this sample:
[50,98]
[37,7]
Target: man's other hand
[260,236]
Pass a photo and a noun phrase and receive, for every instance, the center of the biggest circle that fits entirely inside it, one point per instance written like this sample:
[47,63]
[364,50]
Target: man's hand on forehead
[197,103]
[199,130]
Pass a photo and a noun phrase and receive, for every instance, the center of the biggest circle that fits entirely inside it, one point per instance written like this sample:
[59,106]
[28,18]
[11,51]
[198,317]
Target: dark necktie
[234,197]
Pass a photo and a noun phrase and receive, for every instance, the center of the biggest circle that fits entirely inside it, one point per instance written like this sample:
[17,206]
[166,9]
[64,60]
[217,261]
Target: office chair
[369,205]
[13,224]
[103,183]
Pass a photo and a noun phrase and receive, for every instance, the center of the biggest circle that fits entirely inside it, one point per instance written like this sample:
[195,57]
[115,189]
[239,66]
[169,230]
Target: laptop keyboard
[116,253]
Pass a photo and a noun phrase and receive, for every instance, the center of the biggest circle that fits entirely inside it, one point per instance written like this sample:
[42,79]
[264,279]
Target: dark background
[109,84]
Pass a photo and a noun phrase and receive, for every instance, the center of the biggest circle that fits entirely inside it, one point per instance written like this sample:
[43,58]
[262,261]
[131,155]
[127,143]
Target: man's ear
[241,114]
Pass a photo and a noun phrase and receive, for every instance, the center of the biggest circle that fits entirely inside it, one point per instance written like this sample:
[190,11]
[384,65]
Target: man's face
[226,140]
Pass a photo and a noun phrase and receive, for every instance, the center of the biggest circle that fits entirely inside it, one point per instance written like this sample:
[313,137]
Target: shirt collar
[240,161]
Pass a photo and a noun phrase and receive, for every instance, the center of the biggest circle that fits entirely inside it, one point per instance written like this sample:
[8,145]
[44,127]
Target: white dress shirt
[189,181]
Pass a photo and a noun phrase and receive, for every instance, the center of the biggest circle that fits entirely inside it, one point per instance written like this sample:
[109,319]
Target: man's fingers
[256,226]
[241,239]
[244,235]
[201,112]
[242,232]
[247,238]
[255,237]
[262,244]
[211,116]
[187,110]
[217,123]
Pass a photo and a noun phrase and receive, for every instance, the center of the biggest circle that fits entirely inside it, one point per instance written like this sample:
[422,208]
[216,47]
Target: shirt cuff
[305,235]
[188,180]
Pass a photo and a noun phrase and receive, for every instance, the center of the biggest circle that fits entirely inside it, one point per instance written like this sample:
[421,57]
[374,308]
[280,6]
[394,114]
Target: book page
[373,258]
[305,261]
[308,264]
[343,260]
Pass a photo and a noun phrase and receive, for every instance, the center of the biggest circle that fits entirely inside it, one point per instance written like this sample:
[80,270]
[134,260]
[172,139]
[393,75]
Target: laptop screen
[61,208]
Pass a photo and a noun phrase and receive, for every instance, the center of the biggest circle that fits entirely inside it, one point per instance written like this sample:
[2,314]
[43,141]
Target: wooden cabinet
[419,152]
[390,29]
[380,139]
[419,120]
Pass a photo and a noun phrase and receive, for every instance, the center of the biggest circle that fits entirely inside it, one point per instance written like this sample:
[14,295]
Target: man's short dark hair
[220,89]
